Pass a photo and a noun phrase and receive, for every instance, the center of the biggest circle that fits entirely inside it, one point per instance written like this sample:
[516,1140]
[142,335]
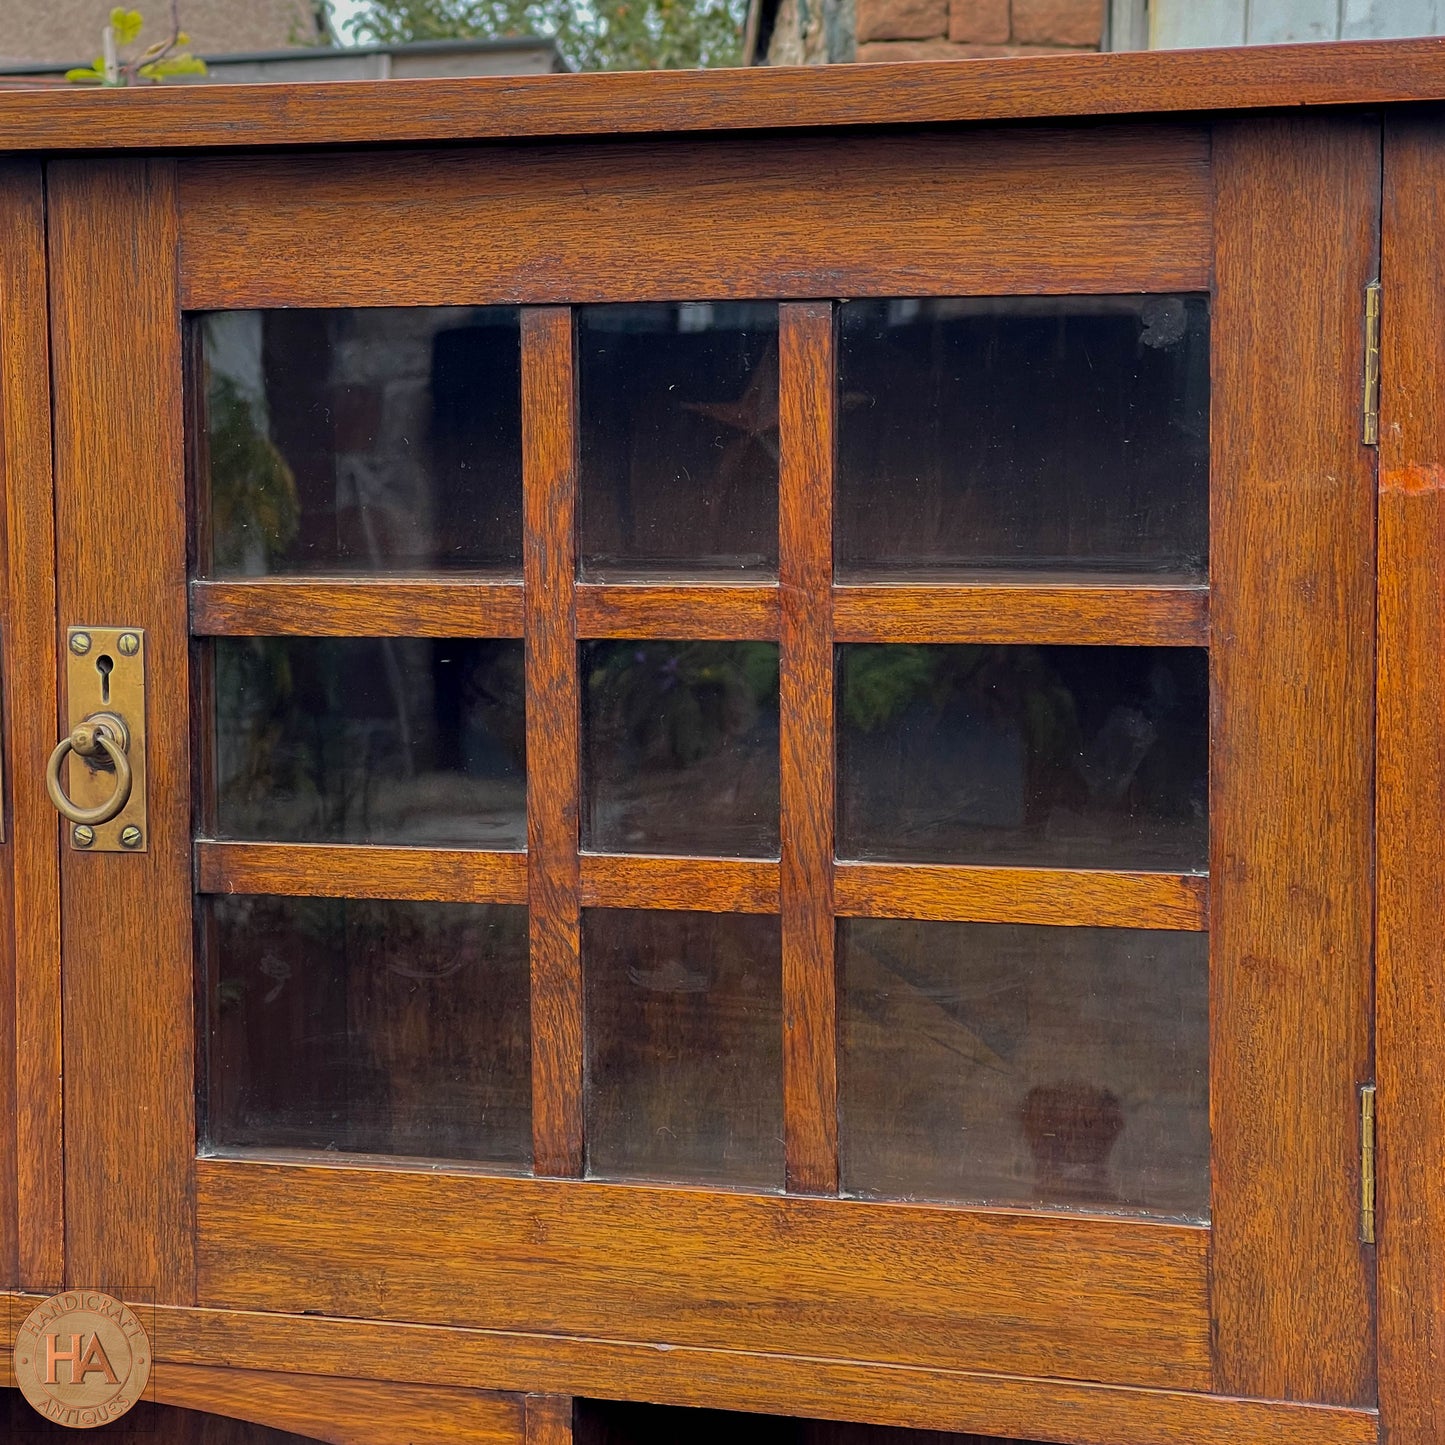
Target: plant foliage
[593,35]
[157,62]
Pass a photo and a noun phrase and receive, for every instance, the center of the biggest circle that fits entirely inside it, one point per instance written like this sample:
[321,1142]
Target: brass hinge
[1372,364]
[1367,1163]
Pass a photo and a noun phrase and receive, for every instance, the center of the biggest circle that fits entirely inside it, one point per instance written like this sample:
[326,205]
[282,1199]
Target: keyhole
[104,665]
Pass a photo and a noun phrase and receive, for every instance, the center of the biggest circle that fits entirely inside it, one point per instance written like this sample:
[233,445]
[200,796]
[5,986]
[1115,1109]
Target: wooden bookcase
[791,738]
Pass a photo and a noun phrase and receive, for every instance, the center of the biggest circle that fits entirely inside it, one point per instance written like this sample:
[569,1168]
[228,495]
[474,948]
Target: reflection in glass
[368,440]
[1087,757]
[680,747]
[374,1027]
[1020,1065]
[684,1046]
[679,437]
[1057,432]
[370,740]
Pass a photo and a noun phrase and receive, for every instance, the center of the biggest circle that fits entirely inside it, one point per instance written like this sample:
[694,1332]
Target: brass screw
[129,644]
[82,836]
[130,837]
[80,643]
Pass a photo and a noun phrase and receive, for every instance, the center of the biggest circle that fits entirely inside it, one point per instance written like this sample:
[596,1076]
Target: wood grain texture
[668,610]
[710,885]
[549,507]
[129,1004]
[1078,897]
[807,444]
[1142,614]
[1019,1292]
[31,722]
[549,1420]
[1291,688]
[765,98]
[359,607]
[1410,792]
[345,1411]
[1117,208]
[319,870]
[937,1399]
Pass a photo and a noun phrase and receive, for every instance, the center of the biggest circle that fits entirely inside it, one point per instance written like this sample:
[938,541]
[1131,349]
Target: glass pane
[680,747]
[370,740]
[679,437]
[387,1028]
[1055,432]
[1023,1065]
[370,440]
[1082,757]
[684,1046]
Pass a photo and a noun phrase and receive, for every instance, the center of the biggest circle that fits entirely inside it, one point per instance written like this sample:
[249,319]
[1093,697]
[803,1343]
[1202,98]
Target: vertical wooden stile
[1291,699]
[1410,788]
[549,1420]
[549,486]
[129,991]
[28,717]
[805,572]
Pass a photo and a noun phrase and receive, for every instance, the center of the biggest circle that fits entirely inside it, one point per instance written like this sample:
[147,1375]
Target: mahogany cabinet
[763,743]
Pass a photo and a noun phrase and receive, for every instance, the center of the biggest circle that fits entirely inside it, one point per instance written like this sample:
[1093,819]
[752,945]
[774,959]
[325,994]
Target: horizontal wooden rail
[708,885]
[1091,211]
[316,870]
[358,607]
[1139,614]
[687,612]
[1074,896]
[319,1352]
[1017,1291]
[1144,614]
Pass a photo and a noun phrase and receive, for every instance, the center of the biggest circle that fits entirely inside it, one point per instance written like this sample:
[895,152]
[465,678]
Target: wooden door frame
[32,1171]
[1292,1282]
[1411,819]
[1279,1333]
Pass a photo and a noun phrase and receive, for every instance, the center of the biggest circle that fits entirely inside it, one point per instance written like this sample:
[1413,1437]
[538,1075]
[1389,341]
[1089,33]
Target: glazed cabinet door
[756,767]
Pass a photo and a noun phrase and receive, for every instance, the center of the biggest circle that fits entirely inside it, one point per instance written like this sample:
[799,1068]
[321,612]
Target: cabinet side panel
[120,532]
[1410,1023]
[29,724]
[1292,609]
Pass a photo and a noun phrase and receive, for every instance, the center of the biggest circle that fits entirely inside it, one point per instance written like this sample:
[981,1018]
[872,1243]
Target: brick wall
[959,29]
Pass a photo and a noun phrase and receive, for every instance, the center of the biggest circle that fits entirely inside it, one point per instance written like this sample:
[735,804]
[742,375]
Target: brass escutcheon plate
[105,672]
[82,1358]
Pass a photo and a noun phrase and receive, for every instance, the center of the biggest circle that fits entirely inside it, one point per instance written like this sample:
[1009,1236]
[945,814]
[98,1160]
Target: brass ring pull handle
[99,733]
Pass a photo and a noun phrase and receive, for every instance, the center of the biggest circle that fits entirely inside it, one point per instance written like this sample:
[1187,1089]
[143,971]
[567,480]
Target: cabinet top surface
[662,102]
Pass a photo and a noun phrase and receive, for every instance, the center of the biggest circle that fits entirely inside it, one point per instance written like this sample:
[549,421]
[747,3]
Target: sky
[343,10]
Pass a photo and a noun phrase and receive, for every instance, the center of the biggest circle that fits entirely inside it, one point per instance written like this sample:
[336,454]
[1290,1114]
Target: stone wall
[961,29]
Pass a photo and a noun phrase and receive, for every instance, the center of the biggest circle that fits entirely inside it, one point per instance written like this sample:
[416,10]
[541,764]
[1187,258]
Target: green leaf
[173,65]
[126,24]
[92,76]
